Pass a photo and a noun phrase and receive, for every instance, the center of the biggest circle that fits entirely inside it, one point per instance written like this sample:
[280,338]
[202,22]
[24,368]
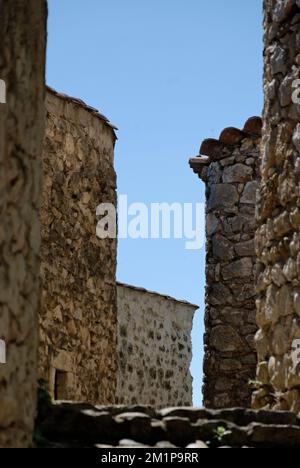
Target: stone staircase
[74,425]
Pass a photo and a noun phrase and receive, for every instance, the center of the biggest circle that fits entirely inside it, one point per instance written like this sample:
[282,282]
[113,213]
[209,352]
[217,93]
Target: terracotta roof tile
[211,148]
[229,137]
[253,126]
[232,136]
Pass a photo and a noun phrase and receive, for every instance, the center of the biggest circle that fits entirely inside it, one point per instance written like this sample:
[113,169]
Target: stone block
[249,193]
[222,196]
[238,269]
[238,173]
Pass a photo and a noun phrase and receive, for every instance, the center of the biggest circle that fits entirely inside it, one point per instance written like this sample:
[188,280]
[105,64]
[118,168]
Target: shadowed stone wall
[229,169]
[78,321]
[22,66]
[278,238]
[154,349]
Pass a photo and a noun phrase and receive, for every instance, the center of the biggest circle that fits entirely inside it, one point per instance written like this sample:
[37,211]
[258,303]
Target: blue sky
[168,73]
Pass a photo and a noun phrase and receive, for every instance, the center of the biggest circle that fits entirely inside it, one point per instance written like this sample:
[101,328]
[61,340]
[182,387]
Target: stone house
[99,342]
[154,348]
[78,319]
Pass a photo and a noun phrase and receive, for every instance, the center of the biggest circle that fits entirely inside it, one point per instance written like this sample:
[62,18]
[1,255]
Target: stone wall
[154,348]
[78,322]
[229,167]
[278,239]
[22,51]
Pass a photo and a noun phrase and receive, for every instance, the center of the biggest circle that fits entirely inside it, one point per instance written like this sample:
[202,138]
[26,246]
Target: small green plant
[44,401]
[44,405]
[220,432]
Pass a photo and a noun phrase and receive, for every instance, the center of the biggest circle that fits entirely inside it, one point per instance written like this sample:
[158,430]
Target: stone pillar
[230,171]
[278,238]
[22,51]
[78,320]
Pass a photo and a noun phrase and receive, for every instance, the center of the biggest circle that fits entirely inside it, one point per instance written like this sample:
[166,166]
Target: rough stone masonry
[96,345]
[154,349]
[278,237]
[230,168]
[22,67]
[78,319]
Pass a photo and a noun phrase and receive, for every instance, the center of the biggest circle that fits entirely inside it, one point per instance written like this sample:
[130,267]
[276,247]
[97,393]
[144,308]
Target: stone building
[278,238]
[78,319]
[95,345]
[154,348]
[22,68]
[230,169]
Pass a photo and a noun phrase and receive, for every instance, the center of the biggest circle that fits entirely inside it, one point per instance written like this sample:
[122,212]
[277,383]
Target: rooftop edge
[85,106]
[212,150]
[153,293]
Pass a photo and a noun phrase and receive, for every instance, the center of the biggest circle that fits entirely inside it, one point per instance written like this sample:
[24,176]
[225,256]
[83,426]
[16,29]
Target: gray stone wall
[278,240]
[229,169]
[78,321]
[22,67]
[154,349]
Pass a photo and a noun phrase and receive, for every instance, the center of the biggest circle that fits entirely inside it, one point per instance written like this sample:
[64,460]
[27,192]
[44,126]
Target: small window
[60,386]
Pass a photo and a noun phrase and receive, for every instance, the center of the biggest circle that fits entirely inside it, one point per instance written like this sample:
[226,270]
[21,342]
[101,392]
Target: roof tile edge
[153,293]
[213,149]
[85,106]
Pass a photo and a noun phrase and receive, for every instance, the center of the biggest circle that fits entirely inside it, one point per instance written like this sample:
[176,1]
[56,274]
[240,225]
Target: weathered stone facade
[22,67]
[230,169]
[154,348]
[278,239]
[80,338]
[78,321]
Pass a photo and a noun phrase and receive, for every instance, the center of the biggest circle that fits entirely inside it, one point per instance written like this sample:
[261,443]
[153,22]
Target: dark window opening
[60,385]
